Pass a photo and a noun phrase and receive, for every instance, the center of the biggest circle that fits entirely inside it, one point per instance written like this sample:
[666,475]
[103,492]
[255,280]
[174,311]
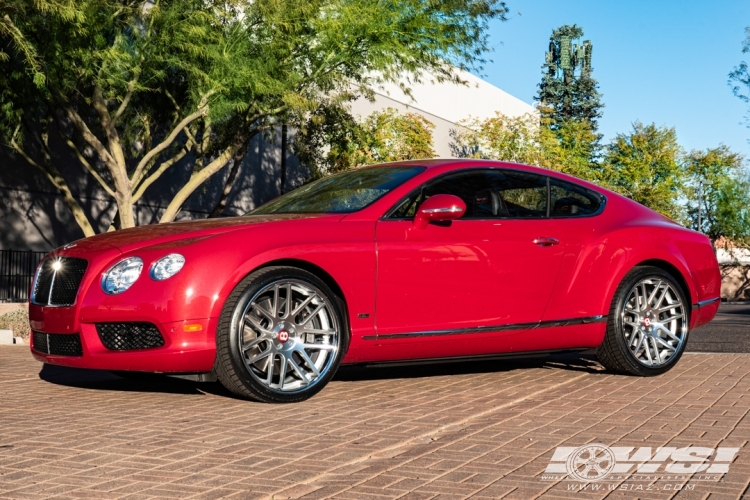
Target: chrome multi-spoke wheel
[647,327]
[289,335]
[654,321]
[281,336]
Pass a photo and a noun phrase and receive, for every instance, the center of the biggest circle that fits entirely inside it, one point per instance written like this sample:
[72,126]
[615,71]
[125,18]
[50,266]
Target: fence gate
[17,269]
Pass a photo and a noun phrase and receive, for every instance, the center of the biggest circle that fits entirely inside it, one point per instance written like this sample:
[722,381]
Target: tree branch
[113,138]
[162,168]
[88,136]
[86,164]
[53,175]
[200,112]
[201,176]
[126,100]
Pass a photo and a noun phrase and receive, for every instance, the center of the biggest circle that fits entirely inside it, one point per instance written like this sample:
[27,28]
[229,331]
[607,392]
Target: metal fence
[16,272]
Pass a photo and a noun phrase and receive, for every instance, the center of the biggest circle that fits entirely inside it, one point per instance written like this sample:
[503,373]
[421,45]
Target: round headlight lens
[122,275]
[166,267]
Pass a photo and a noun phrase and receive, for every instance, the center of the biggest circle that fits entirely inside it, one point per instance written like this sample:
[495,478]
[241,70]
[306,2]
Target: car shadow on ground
[580,361]
[155,383]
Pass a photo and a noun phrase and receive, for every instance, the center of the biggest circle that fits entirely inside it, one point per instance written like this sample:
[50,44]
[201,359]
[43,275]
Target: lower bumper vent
[58,344]
[129,336]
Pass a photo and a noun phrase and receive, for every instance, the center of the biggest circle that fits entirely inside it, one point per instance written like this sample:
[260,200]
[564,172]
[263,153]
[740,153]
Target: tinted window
[341,193]
[523,195]
[570,200]
[487,194]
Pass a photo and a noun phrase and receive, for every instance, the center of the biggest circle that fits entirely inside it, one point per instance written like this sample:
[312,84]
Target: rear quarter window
[570,200]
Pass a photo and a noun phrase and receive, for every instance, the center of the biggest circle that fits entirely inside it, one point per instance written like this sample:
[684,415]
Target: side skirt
[490,329]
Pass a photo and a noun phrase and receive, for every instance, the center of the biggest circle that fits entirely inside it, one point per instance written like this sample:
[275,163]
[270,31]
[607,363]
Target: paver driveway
[482,430]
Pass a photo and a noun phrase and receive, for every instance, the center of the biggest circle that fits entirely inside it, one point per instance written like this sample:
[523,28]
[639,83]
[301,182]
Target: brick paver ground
[479,430]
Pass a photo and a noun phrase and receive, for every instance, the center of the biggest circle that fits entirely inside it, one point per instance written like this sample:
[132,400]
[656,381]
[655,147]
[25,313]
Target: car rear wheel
[281,336]
[648,322]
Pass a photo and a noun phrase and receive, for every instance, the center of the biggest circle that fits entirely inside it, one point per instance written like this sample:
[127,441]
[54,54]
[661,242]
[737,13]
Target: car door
[489,272]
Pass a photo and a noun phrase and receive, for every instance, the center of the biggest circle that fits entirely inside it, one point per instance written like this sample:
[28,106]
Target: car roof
[431,163]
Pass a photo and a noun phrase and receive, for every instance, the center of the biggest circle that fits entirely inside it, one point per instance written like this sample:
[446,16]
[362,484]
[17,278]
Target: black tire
[230,366]
[614,352]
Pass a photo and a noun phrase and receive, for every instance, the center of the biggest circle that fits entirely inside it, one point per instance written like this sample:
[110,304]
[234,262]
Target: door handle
[546,242]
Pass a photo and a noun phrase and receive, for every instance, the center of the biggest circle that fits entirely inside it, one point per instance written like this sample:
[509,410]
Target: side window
[522,195]
[408,208]
[570,200]
[471,186]
[488,193]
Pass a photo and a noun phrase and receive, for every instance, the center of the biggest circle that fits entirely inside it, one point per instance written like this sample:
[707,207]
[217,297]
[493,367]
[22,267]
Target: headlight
[166,267]
[122,275]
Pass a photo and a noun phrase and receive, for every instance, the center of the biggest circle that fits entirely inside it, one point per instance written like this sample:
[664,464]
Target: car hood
[185,232]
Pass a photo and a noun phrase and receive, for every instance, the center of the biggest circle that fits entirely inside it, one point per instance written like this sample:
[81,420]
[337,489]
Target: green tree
[514,139]
[644,165]
[333,140]
[567,90]
[138,88]
[523,139]
[390,136]
[739,78]
[571,149]
[717,190]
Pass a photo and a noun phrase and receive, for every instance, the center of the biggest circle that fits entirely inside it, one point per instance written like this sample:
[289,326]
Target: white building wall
[445,104]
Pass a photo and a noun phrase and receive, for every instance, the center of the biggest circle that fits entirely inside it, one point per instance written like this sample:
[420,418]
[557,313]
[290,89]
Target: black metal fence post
[17,269]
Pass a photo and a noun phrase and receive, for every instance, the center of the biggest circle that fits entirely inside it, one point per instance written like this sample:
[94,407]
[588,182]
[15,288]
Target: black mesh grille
[129,336]
[59,344]
[63,282]
[40,342]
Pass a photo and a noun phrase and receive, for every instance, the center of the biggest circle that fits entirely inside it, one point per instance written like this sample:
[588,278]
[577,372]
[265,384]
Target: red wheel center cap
[646,322]
[283,336]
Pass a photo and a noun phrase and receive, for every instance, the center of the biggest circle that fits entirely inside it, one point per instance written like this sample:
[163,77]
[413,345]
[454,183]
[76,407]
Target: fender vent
[58,344]
[129,336]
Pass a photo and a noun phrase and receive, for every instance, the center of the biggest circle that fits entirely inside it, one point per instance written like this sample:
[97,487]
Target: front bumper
[182,352]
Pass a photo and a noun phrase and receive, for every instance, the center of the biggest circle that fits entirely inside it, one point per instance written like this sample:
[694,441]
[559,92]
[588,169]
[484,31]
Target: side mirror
[440,207]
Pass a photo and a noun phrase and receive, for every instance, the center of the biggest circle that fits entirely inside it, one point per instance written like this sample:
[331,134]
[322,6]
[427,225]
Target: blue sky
[656,61]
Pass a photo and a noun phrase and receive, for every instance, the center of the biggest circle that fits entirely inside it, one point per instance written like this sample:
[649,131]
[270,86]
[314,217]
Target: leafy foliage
[18,321]
[514,139]
[523,139]
[644,165]
[739,78]
[138,88]
[718,192]
[333,140]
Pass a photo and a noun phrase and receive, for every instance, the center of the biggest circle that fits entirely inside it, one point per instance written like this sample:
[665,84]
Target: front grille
[58,287]
[58,344]
[129,336]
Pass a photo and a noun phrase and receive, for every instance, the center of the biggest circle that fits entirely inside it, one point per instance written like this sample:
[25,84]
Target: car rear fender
[596,268]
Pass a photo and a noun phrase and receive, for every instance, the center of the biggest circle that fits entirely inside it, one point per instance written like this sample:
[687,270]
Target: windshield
[341,193]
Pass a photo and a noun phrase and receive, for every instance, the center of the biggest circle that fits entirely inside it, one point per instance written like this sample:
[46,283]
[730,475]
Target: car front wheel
[647,327]
[281,337]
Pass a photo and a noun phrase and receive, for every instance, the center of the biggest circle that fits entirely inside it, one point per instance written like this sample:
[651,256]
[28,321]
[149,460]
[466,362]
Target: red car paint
[472,276]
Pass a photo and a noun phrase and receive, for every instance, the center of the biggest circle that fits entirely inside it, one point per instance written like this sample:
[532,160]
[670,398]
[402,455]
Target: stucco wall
[735,282]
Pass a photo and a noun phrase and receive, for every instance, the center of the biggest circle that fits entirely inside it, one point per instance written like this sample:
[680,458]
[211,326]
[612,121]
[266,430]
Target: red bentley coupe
[402,261]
